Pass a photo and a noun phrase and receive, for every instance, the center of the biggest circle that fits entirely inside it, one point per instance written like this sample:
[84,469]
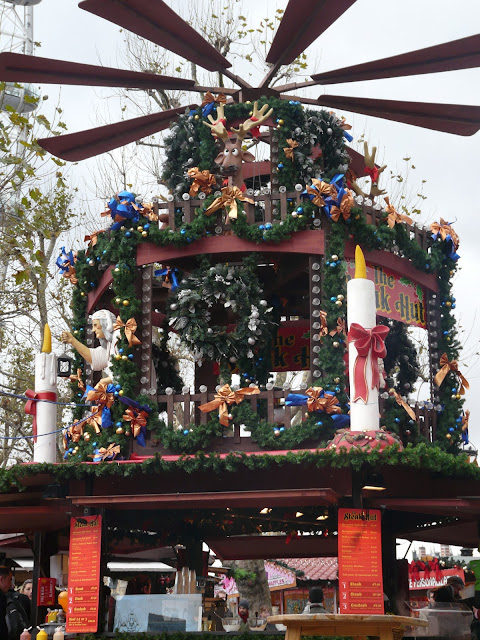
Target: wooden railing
[273,208]
[182,411]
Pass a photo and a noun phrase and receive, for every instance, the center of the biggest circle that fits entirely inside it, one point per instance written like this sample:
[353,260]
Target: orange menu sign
[84,574]
[360,561]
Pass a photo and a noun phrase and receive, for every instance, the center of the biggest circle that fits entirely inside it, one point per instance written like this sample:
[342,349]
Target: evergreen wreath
[236,289]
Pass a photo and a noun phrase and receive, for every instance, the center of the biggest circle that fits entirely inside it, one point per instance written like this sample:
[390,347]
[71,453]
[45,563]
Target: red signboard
[291,347]
[46,592]
[397,297]
[84,574]
[430,580]
[360,561]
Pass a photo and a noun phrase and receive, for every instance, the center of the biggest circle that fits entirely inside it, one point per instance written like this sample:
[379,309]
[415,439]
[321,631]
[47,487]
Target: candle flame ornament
[365,346]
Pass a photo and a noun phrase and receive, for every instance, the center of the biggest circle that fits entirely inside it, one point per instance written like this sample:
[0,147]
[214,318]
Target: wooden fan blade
[452,118]
[16,67]
[157,22]
[85,144]
[458,54]
[302,23]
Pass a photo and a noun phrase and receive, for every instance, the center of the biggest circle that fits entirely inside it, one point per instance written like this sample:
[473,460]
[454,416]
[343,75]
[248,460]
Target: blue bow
[171,273]
[65,260]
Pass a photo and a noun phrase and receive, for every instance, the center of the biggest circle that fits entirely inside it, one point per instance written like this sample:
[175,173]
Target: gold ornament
[336,380]
[449,436]
[336,344]
[129,433]
[144,234]
[197,117]
[334,257]
[448,303]
[280,122]
[340,297]
[120,393]
[116,269]
[124,357]
[119,430]
[122,228]
[126,303]
[118,356]
[118,300]
[86,437]
[82,293]
[338,303]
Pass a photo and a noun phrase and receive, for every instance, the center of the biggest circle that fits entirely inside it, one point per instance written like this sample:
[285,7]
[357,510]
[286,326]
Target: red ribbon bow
[31,405]
[367,341]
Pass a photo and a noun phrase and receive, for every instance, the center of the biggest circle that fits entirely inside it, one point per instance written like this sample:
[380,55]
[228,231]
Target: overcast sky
[369,30]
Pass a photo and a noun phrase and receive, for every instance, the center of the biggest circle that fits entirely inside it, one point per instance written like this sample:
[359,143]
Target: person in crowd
[243,612]
[13,619]
[457,584]
[25,595]
[444,594]
[315,601]
[27,588]
[265,611]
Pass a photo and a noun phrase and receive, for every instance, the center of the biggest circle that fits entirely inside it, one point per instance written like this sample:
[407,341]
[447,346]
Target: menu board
[360,561]
[84,574]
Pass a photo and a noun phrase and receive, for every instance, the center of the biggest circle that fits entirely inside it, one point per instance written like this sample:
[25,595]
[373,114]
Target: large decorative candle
[45,413]
[365,346]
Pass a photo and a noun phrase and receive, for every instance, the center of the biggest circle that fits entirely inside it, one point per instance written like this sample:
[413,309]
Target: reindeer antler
[218,126]
[257,118]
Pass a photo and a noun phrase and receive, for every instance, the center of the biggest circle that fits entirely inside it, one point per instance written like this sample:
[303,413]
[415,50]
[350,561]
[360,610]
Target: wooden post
[44,546]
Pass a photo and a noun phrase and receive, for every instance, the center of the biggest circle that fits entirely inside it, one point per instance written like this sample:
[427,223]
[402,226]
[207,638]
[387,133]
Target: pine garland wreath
[237,290]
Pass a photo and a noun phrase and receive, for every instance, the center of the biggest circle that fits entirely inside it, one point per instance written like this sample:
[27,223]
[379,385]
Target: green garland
[421,456]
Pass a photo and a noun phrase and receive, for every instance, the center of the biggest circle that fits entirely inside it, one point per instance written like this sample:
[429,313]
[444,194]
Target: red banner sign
[360,561]
[84,574]
[429,580]
[397,297]
[291,347]
[46,592]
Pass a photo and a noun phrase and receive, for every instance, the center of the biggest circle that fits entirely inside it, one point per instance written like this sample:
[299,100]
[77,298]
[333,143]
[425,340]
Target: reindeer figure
[232,157]
[373,172]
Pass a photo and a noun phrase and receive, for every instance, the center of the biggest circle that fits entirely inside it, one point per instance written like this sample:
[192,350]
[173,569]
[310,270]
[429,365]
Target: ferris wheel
[16,35]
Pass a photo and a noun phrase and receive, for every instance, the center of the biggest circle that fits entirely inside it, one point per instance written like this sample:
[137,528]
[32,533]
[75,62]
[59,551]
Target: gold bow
[326,403]
[445,367]
[344,209]
[92,240]
[292,144]
[340,328]
[401,402]
[110,452]
[465,419]
[75,431]
[137,420]
[209,98]
[223,398]
[323,325]
[100,395]
[149,212]
[393,216]
[445,229]
[129,327]
[228,201]
[319,190]
[95,419]
[78,379]
[202,181]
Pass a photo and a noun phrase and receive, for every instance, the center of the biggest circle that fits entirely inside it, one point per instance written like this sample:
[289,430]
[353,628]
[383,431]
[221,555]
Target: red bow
[373,173]
[31,405]
[367,341]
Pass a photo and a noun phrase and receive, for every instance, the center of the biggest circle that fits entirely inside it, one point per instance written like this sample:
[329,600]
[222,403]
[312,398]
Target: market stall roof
[313,568]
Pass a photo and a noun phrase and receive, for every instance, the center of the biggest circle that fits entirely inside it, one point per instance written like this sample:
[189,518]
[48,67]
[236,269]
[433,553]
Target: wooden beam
[220,499]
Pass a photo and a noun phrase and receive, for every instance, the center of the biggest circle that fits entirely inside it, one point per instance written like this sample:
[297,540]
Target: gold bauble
[336,344]
[73,453]
[126,303]
[144,234]
[118,300]
[448,303]
[82,293]
[340,297]
[128,433]
[120,393]
[122,228]
[116,269]
[124,357]
[119,430]
[449,436]
[338,303]
[139,228]
[458,397]
[336,380]
[280,122]
[118,356]
[86,437]
[197,117]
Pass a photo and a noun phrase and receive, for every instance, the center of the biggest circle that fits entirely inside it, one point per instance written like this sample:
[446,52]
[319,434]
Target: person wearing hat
[315,601]
[458,584]
[243,607]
